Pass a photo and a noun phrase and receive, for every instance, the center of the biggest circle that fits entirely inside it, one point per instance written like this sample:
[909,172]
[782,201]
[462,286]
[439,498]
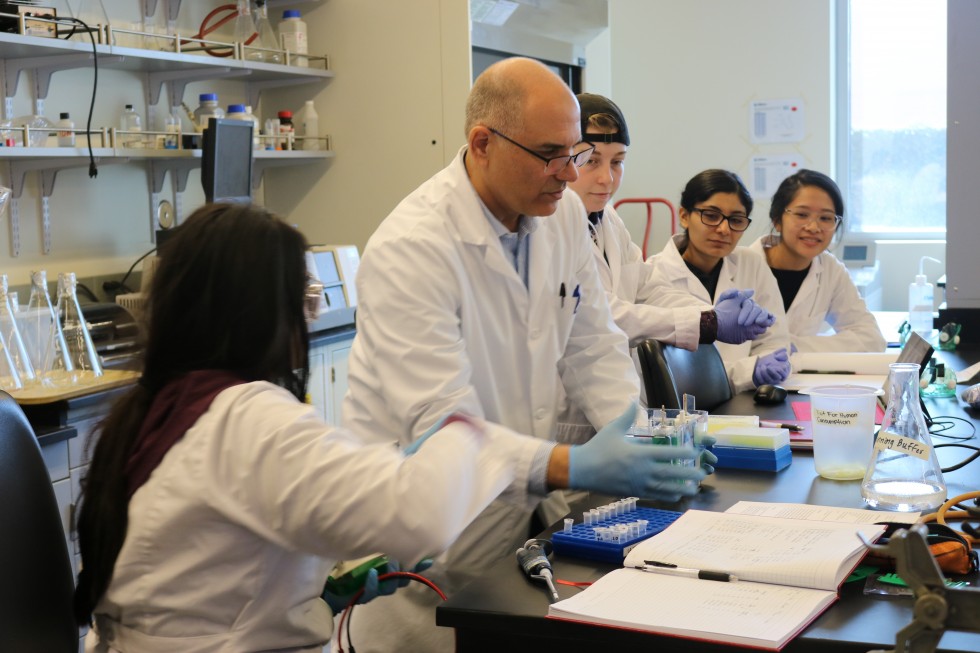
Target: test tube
[569,522]
[587,517]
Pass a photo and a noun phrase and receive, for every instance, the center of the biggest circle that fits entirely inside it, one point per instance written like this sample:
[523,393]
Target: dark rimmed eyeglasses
[714,217]
[825,221]
[556,164]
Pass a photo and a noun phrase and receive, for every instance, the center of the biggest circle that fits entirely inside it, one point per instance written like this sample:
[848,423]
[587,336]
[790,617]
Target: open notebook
[788,570]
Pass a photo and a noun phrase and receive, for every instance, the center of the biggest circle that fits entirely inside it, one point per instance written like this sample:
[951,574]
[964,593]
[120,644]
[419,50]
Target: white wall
[685,73]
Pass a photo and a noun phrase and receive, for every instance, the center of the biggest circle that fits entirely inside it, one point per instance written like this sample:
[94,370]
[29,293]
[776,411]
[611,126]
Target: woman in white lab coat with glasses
[824,310]
[705,262]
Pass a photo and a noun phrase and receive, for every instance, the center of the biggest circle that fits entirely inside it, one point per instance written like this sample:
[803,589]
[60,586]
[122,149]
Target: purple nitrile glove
[740,318]
[771,368]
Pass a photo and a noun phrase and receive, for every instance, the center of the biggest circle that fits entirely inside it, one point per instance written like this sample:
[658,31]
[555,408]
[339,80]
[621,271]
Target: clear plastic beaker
[843,430]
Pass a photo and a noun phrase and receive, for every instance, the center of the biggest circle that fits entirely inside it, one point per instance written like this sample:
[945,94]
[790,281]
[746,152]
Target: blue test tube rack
[610,532]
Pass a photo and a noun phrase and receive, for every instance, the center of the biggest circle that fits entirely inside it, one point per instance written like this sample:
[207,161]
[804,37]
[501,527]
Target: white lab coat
[635,297]
[742,269]
[445,323]
[828,297]
[231,538]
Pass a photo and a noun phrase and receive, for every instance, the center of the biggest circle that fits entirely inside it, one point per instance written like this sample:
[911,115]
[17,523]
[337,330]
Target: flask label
[844,418]
[895,442]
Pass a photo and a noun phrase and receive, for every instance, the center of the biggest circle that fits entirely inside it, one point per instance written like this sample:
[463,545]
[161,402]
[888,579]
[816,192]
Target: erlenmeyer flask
[90,12]
[245,31]
[267,39]
[11,335]
[904,474]
[9,378]
[81,351]
[48,351]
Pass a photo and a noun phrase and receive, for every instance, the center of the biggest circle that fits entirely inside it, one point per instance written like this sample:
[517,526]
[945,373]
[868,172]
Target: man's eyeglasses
[312,296]
[713,218]
[825,221]
[556,164]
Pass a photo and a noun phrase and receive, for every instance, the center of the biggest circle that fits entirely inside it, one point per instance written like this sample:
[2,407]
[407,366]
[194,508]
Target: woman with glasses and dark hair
[807,214]
[705,262]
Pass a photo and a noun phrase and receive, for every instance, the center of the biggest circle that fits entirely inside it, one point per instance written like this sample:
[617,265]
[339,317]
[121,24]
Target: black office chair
[671,372]
[37,585]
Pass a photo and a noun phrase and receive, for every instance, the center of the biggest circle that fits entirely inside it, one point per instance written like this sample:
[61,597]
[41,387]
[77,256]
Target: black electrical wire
[122,284]
[88,292]
[93,171]
[963,463]
[940,425]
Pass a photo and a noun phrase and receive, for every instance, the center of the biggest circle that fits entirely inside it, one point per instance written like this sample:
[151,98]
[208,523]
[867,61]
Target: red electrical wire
[350,605]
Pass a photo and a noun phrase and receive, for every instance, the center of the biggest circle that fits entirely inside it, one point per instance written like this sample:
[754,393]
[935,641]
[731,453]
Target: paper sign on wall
[776,121]
[767,172]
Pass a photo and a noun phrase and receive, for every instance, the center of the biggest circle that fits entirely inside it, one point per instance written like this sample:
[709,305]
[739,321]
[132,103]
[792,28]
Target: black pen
[561,293]
[669,569]
[796,428]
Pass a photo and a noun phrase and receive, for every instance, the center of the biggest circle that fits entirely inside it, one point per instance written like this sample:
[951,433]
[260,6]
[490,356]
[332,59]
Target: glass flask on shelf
[47,348]
[84,358]
[90,12]
[267,39]
[245,34]
[13,341]
[904,474]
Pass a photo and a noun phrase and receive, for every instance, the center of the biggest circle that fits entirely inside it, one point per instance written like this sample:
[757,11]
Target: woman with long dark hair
[217,501]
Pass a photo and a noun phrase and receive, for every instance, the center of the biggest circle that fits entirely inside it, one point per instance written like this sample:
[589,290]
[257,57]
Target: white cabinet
[328,376]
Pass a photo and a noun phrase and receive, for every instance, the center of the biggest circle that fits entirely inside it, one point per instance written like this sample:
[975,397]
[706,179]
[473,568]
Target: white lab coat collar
[609,255]
[808,289]
[677,270]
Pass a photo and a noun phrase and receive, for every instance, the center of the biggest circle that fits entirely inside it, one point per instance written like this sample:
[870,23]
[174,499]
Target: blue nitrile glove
[771,368]
[373,588]
[740,318]
[612,464]
[708,459]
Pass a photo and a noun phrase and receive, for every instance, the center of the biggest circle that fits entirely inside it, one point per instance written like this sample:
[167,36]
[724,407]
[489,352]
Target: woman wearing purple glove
[635,299]
[807,213]
[705,262]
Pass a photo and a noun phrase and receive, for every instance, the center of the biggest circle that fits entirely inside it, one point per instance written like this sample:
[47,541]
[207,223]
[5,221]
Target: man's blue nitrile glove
[708,459]
[611,464]
[771,368]
[373,588]
[740,318]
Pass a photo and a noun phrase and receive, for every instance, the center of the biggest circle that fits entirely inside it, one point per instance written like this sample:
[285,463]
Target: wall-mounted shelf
[43,57]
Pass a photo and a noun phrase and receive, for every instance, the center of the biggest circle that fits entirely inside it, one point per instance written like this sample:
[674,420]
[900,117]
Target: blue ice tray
[581,541]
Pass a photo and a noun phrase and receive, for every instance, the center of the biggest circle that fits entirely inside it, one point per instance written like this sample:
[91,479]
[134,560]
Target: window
[892,90]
